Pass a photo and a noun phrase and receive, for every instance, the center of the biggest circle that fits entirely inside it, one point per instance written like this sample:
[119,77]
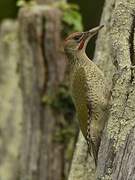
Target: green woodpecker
[88,88]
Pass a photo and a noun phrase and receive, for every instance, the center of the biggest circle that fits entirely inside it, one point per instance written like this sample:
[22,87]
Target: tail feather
[92,150]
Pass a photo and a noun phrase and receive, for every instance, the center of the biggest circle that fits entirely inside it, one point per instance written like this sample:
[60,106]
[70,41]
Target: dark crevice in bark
[132,76]
[44,89]
[46,78]
[131,42]
[132,48]
[110,157]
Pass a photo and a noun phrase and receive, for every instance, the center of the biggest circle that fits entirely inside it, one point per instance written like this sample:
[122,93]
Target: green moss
[24,3]
[60,101]
[65,134]
[67,128]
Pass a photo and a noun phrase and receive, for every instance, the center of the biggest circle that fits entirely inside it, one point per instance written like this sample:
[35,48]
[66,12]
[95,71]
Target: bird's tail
[92,150]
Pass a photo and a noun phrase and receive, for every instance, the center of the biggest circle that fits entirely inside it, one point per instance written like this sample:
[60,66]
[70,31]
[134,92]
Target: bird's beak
[95,30]
[87,35]
[92,32]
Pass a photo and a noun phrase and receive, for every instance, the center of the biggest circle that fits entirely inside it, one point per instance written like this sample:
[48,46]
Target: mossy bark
[115,56]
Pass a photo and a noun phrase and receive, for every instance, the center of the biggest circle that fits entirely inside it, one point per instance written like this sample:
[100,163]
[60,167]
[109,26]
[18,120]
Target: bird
[88,88]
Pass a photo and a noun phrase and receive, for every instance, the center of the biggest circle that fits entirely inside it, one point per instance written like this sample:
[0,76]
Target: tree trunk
[42,69]
[115,56]
[11,109]
[32,70]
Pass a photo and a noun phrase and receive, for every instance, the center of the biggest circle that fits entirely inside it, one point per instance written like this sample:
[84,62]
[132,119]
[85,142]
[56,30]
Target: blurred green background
[8,9]
[90,10]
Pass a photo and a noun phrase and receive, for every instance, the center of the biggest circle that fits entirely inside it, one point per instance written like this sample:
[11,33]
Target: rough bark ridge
[115,55]
[116,155]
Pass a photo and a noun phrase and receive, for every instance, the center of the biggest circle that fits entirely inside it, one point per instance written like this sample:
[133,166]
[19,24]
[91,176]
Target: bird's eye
[77,37]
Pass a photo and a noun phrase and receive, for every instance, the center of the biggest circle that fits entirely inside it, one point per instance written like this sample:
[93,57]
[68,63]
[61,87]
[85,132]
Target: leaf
[20,3]
[73,18]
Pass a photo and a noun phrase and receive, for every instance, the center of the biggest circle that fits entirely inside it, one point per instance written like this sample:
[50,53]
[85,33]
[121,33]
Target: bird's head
[78,41]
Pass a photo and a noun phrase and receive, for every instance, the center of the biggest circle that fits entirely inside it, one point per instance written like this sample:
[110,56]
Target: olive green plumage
[89,95]
[88,91]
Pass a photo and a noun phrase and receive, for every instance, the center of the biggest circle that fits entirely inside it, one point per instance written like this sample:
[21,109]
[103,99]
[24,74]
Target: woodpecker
[88,89]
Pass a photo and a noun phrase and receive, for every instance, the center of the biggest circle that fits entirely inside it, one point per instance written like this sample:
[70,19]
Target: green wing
[79,92]
[83,108]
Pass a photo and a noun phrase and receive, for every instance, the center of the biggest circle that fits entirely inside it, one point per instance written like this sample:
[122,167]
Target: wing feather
[79,94]
[83,106]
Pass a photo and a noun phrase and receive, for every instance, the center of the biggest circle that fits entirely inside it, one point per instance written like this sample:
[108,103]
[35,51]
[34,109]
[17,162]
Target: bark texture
[10,102]
[115,55]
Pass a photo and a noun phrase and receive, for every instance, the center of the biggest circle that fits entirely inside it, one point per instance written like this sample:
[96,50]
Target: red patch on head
[81,45]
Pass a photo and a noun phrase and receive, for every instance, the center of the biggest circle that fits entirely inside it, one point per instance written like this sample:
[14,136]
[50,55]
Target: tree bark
[115,56]
[11,109]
